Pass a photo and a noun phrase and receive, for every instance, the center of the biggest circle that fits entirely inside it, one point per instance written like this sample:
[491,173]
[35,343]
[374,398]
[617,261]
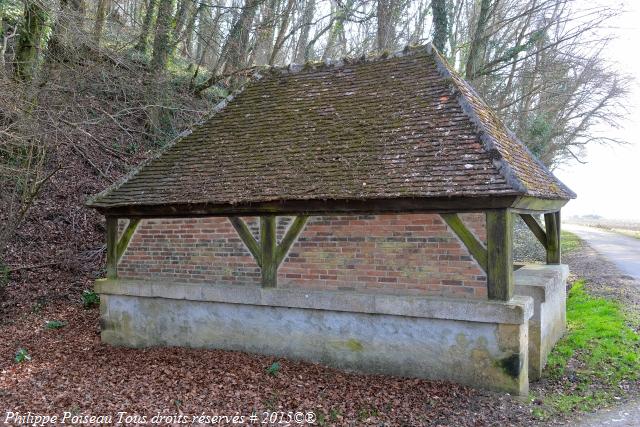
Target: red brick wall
[405,253]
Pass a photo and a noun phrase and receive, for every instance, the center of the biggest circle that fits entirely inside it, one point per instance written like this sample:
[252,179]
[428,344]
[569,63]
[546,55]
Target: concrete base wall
[478,343]
[546,285]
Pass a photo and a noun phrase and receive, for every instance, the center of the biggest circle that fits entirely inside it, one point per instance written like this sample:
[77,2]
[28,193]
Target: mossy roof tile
[399,126]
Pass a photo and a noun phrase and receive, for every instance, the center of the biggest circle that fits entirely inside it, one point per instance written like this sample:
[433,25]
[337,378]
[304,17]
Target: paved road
[624,416]
[623,251]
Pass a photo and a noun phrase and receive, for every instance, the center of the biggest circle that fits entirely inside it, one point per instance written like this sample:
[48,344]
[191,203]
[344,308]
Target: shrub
[54,324]
[90,299]
[273,369]
[22,355]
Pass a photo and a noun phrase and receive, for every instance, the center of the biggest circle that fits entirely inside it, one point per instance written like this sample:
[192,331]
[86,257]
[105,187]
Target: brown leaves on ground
[71,370]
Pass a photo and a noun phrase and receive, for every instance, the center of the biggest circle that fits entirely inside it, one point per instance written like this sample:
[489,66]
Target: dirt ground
[72,371]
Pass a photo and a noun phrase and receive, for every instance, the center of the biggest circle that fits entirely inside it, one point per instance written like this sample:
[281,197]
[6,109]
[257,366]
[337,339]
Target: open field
[626,227]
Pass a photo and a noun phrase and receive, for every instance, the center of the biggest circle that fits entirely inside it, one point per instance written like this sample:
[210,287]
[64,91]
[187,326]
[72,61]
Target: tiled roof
[400,126]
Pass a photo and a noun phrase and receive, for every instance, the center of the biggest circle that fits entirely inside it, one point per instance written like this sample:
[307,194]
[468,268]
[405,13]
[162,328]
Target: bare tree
[147,26]
[101,17]
[440,24]
[30,39]
[163,35]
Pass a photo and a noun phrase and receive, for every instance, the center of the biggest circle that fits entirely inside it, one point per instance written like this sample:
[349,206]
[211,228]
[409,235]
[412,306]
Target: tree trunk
[307,19]
[386,24]
[187,47]
[147,25]
[234,51]
[264,36]
[101,17]
[164,31]
[479,42]
[284,25]
[342,12]
[30,39]
[440,25]
[182,20]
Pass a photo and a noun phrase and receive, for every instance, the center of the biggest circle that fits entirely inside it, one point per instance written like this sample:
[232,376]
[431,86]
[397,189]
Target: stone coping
[516,311]
[541,279]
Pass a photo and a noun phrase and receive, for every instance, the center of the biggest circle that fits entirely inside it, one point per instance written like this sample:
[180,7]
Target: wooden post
[268,251]
[112,247]
[499,254]
[552,226]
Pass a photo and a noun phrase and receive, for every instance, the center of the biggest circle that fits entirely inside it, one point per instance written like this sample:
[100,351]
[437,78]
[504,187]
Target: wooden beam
[535,228]
[290,236]
[268,247]
[112,247]
[500,254]
[528,204]
[314,207]
[247,238]
[475,248]
[552,225]
[126,237]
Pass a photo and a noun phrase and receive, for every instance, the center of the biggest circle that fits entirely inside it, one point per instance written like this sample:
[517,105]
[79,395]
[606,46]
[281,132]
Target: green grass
[599,351]
[569,242]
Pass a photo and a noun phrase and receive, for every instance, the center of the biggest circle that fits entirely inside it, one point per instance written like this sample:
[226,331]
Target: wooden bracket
[290,236]
[268,253]
[126,237]
[112,247]
[116,247]
[549,237]
[535,228]
[474,246]
[247,238]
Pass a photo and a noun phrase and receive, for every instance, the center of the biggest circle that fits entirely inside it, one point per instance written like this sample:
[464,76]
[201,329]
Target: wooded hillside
[88,89]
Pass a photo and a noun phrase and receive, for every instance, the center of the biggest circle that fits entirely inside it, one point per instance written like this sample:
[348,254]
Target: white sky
[608,184]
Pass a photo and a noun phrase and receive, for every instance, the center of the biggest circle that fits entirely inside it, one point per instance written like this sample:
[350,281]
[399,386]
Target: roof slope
[395,127]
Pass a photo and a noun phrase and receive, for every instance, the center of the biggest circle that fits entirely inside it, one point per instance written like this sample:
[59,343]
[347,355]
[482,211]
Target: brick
[412,253]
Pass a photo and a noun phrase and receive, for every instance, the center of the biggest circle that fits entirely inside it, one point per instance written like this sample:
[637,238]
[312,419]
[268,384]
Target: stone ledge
[516,311]
[540,280]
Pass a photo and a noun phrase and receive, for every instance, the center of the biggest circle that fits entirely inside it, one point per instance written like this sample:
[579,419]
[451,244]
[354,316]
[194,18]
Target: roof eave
[518,203]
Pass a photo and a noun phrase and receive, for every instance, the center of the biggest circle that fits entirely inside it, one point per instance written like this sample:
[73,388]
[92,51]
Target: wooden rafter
[475,247]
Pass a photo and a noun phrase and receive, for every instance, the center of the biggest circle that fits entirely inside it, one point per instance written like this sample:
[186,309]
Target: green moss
[350,344]
[354,345]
